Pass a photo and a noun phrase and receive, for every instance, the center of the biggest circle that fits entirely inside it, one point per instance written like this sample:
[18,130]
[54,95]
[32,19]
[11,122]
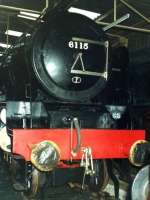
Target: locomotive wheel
[100,179]
[35,185]
[140,186]
[16,175]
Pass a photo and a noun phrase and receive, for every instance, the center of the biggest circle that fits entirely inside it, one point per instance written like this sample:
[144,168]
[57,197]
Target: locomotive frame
[50,129]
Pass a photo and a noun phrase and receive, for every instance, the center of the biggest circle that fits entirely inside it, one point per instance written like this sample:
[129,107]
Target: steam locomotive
[65,104]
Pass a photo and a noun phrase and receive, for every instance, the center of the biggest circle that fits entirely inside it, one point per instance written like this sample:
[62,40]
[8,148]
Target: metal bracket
[87,163]
[135,10]
[144,30]
[118,21]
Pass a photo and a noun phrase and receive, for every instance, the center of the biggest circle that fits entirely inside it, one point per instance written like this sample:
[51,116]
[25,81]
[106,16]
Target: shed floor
[60,193]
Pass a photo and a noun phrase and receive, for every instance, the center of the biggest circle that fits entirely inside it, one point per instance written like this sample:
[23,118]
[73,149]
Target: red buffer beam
[104,143]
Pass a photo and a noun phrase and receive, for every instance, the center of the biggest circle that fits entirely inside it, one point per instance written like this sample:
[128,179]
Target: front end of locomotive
[62,121]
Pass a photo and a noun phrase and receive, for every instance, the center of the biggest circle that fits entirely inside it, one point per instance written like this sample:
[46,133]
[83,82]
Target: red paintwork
[104,143]
[63,165]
